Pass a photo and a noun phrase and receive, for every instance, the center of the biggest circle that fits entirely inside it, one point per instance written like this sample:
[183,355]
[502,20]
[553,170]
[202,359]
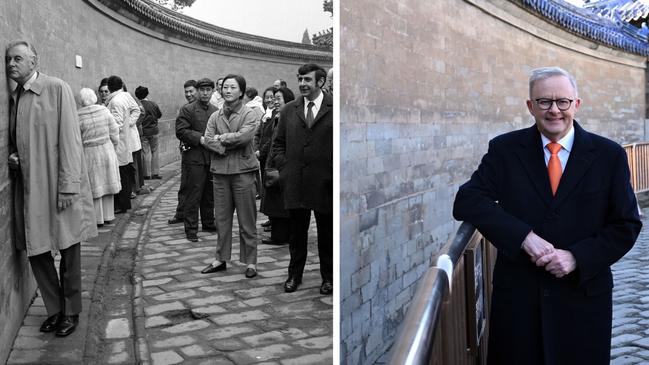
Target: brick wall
[109,43]
[424,86]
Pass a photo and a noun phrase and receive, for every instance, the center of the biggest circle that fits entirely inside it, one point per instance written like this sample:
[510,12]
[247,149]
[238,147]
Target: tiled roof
[324,38]
[202,32]
[590,25]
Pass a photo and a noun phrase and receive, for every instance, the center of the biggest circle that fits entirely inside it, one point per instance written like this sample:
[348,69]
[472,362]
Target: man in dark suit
[303,154]
[190,128]
[556,202]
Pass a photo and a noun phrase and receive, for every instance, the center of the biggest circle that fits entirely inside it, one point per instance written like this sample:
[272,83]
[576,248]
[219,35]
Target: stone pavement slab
[145,301]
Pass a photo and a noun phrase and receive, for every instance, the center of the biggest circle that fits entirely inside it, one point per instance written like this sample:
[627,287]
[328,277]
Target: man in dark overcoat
[190,127]
[556,202]
[303,154]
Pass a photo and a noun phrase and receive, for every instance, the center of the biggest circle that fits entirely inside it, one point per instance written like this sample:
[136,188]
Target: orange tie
[554,166]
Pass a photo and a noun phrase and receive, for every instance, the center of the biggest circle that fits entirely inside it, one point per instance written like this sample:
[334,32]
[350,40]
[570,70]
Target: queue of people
[82,168]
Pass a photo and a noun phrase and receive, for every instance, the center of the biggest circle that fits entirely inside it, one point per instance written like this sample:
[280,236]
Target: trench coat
[537,318]
[47,138]
[304,156]
[126,114]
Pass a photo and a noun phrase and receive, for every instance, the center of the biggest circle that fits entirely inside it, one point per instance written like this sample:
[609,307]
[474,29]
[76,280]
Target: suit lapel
[325,107]
[299,109]
[530,154]
[581,157]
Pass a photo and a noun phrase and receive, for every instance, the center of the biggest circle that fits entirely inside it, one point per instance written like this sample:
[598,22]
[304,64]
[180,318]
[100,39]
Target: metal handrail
[414,341]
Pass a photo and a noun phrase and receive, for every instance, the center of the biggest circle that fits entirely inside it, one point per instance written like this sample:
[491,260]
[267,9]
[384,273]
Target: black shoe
[50,323]
[257,197]
[271,242]
[67,325]
[266,224]
[156,177]
[119,211]
[268,229]
[211,268]
[133,196]
[251,273]
[327,288]
[192,237]
[209,228]
[291,284]
[147,178]
[175,220]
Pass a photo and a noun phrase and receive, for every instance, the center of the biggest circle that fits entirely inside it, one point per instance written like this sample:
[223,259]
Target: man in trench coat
[559,217]
[53,207]
[303,154]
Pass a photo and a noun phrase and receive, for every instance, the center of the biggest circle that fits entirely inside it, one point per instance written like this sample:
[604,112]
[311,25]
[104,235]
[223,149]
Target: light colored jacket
[236,136]
[48,143]
[99,135]
[126,115]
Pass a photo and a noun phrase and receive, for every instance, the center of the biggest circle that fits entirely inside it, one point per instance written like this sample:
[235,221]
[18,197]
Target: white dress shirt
[566,146]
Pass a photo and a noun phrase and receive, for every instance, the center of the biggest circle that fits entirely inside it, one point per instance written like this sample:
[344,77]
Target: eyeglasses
[563,104]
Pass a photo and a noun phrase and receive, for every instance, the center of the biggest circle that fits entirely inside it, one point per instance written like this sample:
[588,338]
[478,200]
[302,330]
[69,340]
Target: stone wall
[424,86]
[113,40]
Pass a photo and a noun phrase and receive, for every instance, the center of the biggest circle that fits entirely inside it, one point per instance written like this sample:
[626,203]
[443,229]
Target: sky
[279,19]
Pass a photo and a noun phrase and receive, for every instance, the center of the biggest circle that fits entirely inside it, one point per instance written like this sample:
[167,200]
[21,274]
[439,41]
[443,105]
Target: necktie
[309,114]
[14,113]
[554,166]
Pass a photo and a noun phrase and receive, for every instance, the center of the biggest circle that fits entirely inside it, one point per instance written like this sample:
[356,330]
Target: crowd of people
[74,172]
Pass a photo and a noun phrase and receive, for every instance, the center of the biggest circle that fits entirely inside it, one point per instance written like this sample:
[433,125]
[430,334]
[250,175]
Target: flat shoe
[175,220]
[251,273]
[67,325]
[50,323]
[271,242]
[192,237]
[266,224]
[327,288]
[291,284]
[211,268]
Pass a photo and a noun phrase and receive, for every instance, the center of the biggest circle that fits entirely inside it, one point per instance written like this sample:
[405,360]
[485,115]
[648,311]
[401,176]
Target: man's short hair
[189,83]
[320,73]
[240,81]
[29,46]
[543,73]
[114,83]
[87,97]
[141,92]
[251,92]
[204,82]
[283,83]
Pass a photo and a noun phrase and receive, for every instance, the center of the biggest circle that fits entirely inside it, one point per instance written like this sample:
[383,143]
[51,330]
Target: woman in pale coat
[100,135]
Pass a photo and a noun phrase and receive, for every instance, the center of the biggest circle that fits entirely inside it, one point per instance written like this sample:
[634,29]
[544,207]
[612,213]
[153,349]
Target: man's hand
[536,246]
[14,161]
[560,263]
[65,200]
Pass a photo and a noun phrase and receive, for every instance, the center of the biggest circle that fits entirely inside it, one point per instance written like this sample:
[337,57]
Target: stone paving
[630,335]
[151,305]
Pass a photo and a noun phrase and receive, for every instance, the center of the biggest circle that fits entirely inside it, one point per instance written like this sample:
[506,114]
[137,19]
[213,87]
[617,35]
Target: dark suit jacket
[535,316]
[190,126]
[304,156]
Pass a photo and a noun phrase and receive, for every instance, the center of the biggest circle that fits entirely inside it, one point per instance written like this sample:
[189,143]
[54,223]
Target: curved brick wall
[144,48]
[438,80]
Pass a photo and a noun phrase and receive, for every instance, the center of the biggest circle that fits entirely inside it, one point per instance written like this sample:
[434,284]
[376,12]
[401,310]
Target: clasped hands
[556,261]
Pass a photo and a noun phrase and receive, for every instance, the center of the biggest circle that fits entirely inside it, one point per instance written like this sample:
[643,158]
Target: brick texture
[109,44]
[424,86]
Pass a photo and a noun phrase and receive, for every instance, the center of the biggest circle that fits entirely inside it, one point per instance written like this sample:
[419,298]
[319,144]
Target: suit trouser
[279,229]
[298,240]
[182,191]
[150,155]
[60,293]
[199,195]
[236,192]
[123,198]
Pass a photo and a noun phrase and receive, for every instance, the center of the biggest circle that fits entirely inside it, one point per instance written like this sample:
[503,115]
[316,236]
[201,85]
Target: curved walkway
[150,304]
[630,337]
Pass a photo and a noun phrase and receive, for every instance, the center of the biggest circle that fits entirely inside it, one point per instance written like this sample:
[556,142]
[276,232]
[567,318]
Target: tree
[175,4]
[328,6]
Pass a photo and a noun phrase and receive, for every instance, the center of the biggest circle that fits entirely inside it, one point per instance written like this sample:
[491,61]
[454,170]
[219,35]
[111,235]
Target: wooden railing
[638,156]
[453,299]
